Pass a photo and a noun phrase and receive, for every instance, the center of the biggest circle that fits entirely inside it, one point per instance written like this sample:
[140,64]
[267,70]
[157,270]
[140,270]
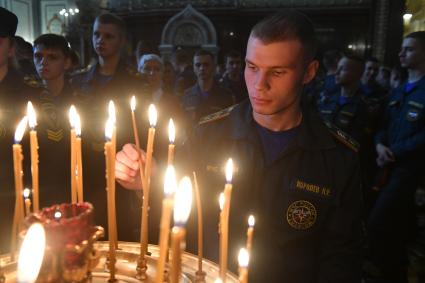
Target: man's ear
[310,71]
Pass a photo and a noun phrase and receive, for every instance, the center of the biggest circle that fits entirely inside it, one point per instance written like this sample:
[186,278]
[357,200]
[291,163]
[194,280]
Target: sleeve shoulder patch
[217,115]
[343,137]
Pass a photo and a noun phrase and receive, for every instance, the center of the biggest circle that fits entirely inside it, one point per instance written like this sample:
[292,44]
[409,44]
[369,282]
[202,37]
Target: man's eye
[251,67]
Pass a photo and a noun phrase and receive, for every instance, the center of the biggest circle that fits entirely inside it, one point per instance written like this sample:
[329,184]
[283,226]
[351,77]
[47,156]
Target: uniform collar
[91,73]
[313,133]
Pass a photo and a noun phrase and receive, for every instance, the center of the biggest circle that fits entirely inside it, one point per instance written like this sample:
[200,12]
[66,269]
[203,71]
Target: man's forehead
[98,26]
[42,48]
[202,58]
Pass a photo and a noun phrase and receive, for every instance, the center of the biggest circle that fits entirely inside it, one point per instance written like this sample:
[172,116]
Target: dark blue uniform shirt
[307,203]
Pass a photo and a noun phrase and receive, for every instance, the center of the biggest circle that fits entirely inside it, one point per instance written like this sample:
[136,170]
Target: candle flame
[27,193]
[108,129]
[171,131]
[221,201]
[111,112]
[218,280]
[77,125]
[133,103]
[153,115]
[31,254]
[20,130]
[229,170]
[251,221]
[72,114]
[58,215]
[32,118]
[243,258]
[170,182]
[182,202]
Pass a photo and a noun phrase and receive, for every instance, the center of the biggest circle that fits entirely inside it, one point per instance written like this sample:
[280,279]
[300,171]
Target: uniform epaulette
[81,71]
[32,82]
[217,115]
[343,137]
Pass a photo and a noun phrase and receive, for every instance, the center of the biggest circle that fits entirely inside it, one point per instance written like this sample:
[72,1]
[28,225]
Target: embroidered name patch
[301,215]
[312,188]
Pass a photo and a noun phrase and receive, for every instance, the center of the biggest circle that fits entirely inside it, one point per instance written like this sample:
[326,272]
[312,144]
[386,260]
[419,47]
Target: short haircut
[288,25]
[331,58]
[149,57]
[112,19]
[232,54]
[203,52]
[419,36]
[360,62]
[53,41]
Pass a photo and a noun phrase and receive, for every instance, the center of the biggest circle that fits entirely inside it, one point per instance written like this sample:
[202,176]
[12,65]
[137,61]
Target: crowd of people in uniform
[327,160]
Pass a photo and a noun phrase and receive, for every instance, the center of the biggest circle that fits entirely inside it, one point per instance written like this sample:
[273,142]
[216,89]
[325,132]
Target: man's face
[412,54]
[275,74]
[107,39]
[370,71]
[233,66]
[6,50]
[50,63]
[203,67]
[151,70]
[348,72]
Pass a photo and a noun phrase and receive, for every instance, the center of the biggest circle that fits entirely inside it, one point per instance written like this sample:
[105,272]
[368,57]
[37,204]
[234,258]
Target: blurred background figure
[23,56]
[233,78]
[383,77]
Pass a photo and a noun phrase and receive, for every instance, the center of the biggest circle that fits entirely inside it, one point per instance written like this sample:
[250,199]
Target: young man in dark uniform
[13,98]
[206,96]
[400,145]
[299,178]
[233,78]
[108,79]
[54,96]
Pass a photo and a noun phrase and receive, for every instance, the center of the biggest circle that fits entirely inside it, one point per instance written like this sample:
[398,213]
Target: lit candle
[110,187]
[32,121]
[199,273]
[224,226]
[27,201]
[243,260]
[182,207]
[136,139]
[79,159]
[171,137]
[250,233]
[31,254]
[17,168]
[170,186]
[73,137]
[148,169]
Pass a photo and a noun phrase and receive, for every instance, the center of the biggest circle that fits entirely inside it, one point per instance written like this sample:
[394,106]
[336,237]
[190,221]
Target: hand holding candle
[32,121]
[182,207]
[170,186]
[136,140]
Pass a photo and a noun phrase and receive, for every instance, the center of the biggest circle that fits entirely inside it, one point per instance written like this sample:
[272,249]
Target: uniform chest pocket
[414,111]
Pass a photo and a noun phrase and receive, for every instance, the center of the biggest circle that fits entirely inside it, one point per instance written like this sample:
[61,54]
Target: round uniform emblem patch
[301,215]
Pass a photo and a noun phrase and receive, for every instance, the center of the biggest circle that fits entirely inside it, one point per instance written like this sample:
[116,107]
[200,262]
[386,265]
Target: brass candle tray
[127,256]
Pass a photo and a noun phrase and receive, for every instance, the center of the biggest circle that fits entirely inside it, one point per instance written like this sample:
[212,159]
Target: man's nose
[261,81]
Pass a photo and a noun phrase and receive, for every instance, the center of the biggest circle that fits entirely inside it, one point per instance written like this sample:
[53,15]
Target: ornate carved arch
[188,29]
